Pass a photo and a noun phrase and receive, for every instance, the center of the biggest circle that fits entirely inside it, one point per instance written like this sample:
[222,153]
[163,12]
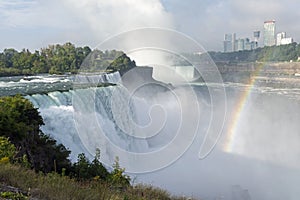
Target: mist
[264,160]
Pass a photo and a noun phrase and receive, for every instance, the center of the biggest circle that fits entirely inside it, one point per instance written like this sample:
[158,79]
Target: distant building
[254,45]
[269,33]
[286,41]
[247,44]
[227,46]
[256,35]
[281,39]
[240,44]
[229,42]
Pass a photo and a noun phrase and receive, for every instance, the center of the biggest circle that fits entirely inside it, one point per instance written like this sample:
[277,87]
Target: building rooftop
[270,21]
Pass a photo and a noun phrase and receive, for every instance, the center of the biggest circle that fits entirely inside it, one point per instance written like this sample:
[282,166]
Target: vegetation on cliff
[282,53]
[60,59]
[20,122]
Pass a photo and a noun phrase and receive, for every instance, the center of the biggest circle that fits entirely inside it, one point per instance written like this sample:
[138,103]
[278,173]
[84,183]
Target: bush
[83,169]
[13,196]
[7,150]
[117,176]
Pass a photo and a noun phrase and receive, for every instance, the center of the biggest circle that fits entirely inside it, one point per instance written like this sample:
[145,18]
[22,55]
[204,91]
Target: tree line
[60,59]
[282,53]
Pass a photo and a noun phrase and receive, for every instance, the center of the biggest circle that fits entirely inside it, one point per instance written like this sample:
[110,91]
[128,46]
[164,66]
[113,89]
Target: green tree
[59,59]
[97,169]
[122,64]
[83,169]
[21,122]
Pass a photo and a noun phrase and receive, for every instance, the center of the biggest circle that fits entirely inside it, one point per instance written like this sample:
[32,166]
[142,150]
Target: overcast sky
[34,24]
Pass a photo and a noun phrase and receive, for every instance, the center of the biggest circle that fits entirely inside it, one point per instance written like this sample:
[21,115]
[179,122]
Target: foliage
[20,122]
[98,171]
[85,170]
[13,196]
[117,176]
[7,149]
[60,59]
[56,187]
[52,185]
[266,54]
[122,64]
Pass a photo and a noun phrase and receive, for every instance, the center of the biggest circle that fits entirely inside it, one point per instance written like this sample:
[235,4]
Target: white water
[57,111]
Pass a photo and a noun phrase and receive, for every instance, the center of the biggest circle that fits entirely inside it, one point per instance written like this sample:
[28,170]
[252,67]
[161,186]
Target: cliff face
[137,77]
[139,81]
[279,75]
[267,68]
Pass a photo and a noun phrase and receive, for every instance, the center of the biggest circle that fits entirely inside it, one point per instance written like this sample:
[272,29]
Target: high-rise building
[256,35]
[240,44]
[269,33]
[281,39]
[229,42]
[232,44]
[247,44]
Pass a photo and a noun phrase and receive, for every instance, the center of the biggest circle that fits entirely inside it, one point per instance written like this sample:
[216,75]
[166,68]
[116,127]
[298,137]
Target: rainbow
[234,121]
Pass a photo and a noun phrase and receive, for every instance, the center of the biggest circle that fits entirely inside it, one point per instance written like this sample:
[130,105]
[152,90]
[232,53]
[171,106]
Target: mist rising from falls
[268,129]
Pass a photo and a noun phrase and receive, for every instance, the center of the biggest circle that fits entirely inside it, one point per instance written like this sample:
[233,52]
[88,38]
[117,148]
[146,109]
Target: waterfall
[99,78]
[143,128]
[57,112]
[60,111]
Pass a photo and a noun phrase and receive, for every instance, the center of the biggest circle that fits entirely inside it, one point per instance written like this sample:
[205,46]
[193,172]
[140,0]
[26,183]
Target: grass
[53,186]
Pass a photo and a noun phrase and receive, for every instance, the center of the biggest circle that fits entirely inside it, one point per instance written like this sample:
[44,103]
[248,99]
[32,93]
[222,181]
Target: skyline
[35,24]
[270,36]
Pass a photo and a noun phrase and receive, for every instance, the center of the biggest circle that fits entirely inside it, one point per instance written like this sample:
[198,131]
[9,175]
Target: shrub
[7,150]
[13,196]
[117,176]
[83,169]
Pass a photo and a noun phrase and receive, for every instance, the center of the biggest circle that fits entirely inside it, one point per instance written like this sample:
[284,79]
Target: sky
[34,24]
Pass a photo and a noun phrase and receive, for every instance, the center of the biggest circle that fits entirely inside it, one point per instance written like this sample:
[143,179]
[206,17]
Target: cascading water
[58,110]
[57,113]
[120,123]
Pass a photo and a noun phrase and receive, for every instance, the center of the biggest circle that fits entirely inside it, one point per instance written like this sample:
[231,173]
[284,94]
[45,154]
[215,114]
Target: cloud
[91,21]
[106,18]
[12,10]
[83,22]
